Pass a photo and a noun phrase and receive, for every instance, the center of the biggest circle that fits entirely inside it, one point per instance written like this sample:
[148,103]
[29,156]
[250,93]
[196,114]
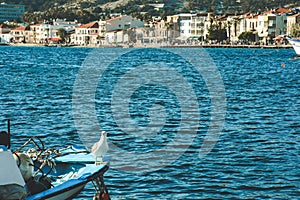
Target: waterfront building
[117,37]
[173,28]
[291,20]
[139,36]
[102,31]
[266,27]
[271,23]
[123,22]
[185,21]
[198,25]
[36,34]
[281,24]
[10,12]
[20,34]
[148,35]
[17,34]
[156,32]
[128,37]
[47,32]
[242,22]
[252,23]
[111,37]
[189,26]
[86,34]
[233,28]
[4,34]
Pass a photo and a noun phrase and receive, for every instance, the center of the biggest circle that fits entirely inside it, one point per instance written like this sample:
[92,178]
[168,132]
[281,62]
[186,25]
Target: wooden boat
[59,173]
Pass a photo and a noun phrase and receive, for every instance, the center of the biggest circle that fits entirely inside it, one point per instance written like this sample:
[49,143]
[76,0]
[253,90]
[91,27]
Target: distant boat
[295,43]
[3,44]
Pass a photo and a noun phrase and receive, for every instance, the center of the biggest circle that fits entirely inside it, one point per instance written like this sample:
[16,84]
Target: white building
[185,21]
[102,28]
[192,25]
[272,23]
[198,25]
[155,32]
[291,20]
[266,26]
[123,22]
[86,34]
[4,34]
[233,28]
[173,28]
[48,31]
[19,34]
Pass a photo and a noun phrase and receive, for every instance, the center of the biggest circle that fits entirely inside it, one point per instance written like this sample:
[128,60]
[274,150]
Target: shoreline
[288,46]
[233,46]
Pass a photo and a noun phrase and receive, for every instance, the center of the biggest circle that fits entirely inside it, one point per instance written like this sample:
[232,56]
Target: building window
[271,23]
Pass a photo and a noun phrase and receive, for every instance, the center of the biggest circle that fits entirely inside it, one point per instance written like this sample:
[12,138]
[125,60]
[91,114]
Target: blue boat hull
[77,175]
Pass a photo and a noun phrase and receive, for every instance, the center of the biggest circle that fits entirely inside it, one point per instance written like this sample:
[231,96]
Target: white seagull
[100,148]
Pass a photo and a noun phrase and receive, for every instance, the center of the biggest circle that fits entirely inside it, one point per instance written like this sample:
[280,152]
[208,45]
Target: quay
[287,46]
[230,46]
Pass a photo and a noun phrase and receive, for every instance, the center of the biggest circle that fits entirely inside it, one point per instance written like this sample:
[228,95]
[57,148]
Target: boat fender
[38,184]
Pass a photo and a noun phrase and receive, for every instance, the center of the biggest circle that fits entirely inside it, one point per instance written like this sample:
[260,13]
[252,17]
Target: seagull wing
[95,148]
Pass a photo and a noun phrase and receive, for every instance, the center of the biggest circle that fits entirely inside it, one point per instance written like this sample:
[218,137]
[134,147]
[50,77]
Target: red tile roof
[89,25]
[252,16]
[20,28]
[277,11]
[114,18]
[282,10]
[54,39]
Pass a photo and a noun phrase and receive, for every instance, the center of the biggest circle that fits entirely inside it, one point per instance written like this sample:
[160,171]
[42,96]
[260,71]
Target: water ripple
[256,157]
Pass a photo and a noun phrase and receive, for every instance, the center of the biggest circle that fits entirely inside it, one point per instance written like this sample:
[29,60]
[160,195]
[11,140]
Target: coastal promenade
[281,46]
[231,46]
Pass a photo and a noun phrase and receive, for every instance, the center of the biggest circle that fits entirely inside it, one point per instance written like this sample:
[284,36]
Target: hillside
[88,10]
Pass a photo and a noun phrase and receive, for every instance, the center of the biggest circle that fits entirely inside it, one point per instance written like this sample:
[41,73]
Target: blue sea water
[256,155]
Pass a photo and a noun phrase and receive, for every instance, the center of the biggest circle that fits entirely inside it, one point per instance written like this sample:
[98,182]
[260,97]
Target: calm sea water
[256,155]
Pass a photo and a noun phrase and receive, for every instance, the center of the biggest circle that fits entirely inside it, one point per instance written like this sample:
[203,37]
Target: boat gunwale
[60,189]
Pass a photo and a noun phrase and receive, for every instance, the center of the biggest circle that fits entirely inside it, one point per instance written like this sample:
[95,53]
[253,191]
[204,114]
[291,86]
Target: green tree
[215,32]
[63,35]
[295,32]
[132,35]
[247,36]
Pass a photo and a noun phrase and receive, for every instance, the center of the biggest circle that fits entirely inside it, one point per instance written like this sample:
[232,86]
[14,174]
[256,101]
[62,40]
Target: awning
[280,37]
[182,37]
[54,39]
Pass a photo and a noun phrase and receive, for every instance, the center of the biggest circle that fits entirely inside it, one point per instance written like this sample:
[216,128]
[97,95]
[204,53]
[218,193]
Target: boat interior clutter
[35,172]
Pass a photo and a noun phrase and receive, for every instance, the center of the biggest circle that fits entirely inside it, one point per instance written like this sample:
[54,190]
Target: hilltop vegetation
[89,10]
